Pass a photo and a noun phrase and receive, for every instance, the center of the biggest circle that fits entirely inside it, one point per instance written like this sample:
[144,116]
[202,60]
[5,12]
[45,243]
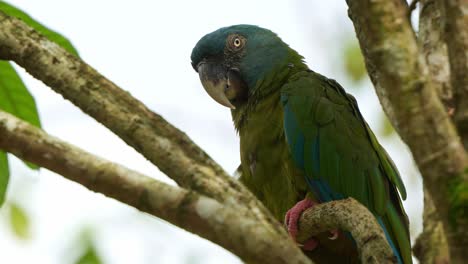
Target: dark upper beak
[215,79]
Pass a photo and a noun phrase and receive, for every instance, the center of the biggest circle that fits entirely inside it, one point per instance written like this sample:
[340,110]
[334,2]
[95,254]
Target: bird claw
[291,220]
[334,234]
[309,245]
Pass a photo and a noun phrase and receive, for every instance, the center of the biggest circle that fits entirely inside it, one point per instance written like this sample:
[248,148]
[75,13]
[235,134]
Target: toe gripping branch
[291,221]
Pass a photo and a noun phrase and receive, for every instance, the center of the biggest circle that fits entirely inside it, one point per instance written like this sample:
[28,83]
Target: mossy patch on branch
[458,193]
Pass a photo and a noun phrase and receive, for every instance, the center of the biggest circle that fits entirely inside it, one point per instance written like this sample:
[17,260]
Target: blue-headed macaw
[302,138]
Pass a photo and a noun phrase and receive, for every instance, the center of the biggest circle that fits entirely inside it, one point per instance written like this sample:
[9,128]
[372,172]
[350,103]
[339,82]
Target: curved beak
[214,78]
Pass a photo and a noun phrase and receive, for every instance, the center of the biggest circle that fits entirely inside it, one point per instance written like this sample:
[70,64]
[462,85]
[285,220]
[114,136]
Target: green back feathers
[331,142]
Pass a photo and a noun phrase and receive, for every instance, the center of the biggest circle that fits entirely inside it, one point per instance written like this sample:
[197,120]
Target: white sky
[144,47]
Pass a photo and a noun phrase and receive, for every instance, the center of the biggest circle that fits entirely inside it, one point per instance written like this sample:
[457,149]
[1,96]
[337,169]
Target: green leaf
[458,197]
[19,221]
[50,34]
[31,165]
[90,256]
[16,99]
[354,61]
[4,176]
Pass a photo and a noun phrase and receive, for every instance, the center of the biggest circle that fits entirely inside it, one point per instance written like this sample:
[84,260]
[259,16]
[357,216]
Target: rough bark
[433,47]
[231,226]
[431,246]
[456,36]
[213,204]
[147,132]
[401,78]
[348,214]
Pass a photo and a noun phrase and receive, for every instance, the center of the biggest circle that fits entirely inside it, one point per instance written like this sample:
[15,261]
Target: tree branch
[432,45]
[231,226]
[431,245]
[170,149]
[456,36]
[226,225]
[214,200]
[350,215]
[148,133]
[400,76]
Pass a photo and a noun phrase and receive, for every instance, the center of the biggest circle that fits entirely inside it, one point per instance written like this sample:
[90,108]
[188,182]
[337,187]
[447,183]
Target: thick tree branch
[431,245]
[400,76]
[160,142]
[148,133]
[350,215]
[231,226]
[433,47]
[456,36]
[215,201]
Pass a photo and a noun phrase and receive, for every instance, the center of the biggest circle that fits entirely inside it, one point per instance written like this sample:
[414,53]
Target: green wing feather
[341,157]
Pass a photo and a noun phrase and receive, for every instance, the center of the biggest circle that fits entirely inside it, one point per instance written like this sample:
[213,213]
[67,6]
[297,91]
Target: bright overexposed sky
[144,47]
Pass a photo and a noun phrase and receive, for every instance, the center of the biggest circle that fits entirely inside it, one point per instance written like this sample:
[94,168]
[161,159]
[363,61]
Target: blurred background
[144,47]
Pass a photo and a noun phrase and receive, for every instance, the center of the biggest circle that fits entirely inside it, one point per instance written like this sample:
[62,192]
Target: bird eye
[237,42]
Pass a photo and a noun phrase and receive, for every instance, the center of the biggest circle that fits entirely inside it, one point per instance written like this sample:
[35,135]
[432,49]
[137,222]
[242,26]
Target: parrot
[303,139]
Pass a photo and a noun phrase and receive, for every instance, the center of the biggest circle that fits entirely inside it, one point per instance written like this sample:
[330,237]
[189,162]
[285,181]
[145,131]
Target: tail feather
[396,232]
[396,252]
[400,231]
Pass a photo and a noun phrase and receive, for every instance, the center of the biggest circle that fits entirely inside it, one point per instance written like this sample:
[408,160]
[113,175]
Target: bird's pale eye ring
[237,42]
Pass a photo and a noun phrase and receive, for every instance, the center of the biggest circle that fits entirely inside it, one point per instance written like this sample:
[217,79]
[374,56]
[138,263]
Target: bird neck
[266,90]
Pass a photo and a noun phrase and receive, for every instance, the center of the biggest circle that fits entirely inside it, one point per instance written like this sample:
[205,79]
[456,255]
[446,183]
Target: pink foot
[291,220]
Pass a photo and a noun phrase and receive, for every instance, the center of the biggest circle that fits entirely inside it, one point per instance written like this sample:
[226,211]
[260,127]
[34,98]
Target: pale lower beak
[215,81]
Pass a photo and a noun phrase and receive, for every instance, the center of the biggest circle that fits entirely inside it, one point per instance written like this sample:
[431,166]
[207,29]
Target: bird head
[232,62]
